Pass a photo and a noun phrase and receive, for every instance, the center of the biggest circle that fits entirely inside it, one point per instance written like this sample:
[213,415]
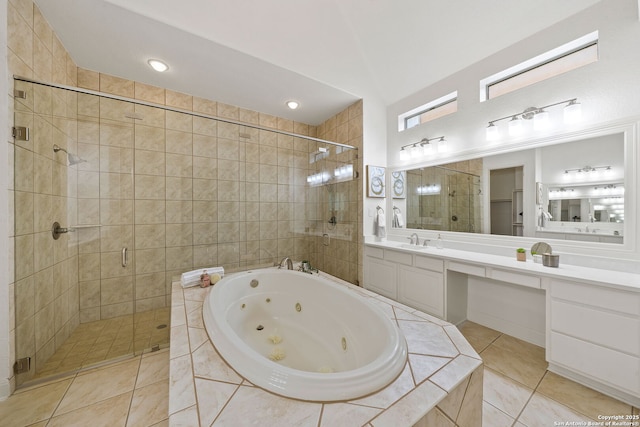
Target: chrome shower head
[72,158]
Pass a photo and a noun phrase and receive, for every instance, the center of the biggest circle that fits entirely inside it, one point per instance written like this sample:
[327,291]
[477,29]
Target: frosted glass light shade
[515,127]
[492,132]
[572,113]
[541,120]
[404,154]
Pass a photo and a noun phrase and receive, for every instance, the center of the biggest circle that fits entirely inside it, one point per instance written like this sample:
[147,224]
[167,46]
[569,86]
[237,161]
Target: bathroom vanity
[589,319]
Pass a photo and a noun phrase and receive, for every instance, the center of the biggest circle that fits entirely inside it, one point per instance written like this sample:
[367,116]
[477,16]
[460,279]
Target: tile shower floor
[518,391]
[94,342]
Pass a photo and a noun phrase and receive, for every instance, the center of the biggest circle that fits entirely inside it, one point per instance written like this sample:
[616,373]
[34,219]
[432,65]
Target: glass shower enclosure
[114,198]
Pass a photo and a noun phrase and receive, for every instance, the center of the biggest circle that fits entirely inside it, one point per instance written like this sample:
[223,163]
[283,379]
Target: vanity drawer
[428,263]
[597,296]
[515,278]
[605,328]
[374,252]
[474,270]
[399,257]
[619,371]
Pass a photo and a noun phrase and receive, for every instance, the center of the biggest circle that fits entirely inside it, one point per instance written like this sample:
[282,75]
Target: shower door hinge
[19,94]
[22,365]
[20,133]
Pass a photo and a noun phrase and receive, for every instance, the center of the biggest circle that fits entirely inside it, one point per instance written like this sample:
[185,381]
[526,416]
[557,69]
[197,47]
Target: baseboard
[5,388]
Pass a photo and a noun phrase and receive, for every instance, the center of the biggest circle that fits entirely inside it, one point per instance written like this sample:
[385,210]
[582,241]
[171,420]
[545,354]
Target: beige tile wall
[179,191]
[45,285]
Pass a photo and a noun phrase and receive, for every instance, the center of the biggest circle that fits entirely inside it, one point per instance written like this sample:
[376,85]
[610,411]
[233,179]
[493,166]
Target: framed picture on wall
[375,181]
[398,184]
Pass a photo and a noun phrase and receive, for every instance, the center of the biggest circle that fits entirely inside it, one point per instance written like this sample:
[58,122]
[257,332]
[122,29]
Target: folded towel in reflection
[192,278]
[380,224]
[398,222]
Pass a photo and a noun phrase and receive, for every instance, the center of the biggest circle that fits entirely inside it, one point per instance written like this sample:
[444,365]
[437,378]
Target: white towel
[192,278]
[381,230]
[398,222]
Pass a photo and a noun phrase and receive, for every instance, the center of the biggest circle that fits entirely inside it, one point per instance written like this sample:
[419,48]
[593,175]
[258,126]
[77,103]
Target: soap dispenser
[439,243]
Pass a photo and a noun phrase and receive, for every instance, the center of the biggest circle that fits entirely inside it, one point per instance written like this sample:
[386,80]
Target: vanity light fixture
[421,148]
[293,104]
[588,168]
[539,115]
[158,65]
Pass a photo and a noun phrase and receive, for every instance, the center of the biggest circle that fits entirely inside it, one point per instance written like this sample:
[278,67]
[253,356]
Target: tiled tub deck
[441,384]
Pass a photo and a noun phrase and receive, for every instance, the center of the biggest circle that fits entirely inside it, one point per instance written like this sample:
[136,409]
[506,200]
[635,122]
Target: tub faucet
[416,241]
[288,261]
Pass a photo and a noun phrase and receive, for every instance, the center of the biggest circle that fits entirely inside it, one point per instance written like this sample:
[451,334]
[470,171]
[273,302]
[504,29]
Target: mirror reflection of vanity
[570,191]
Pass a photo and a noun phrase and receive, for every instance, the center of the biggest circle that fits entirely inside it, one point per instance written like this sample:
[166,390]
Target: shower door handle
[124,257]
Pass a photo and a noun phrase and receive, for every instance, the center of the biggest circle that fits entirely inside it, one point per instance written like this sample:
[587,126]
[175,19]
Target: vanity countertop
[612,278]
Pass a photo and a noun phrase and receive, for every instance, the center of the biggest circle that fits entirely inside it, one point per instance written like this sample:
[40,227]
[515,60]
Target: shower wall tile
[179,188]
[206,168]
[149,162]
[151,236]
[205,146]
[151,116]
[204,211]
[178,100]
[178,235]
[179,142]
[149,138]
[89,294]
[150,260]
[205,106]
[179,258]
[203,126]
[205,189]
[88,79]
[149,93]
[44,325]
[205,233]
[178,121]
[179,165]
[179,212]
[19,35]
[116,310]
[116,290]
[116,86]
[150,187]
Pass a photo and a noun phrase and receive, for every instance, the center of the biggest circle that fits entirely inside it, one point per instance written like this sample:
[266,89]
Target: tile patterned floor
[518,391]
[94,342]
[134,392]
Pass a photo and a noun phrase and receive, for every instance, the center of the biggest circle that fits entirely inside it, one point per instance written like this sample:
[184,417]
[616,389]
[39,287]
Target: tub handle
[125,258]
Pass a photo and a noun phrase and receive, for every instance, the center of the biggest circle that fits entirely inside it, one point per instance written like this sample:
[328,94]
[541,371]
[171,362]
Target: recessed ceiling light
[158,65]
[292,104]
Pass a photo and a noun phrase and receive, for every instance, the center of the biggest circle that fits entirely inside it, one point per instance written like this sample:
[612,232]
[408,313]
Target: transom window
[562,59]
[430,111]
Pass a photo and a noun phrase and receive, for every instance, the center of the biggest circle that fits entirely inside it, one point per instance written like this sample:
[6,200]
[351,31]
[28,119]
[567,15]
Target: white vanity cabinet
[422,285]
[380,275]
[414,280]
[594,332]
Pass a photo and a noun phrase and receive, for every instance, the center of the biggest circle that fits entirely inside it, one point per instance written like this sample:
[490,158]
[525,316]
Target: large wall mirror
[570,191]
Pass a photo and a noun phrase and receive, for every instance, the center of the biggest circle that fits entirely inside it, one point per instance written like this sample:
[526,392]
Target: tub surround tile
[181,389]
[407,411]
[346,415]
[267,409]
[216,395]
[433,371]
[179,341]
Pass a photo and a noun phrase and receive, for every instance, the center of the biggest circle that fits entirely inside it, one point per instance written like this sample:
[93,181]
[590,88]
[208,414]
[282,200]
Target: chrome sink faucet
[416,241]
[288,262]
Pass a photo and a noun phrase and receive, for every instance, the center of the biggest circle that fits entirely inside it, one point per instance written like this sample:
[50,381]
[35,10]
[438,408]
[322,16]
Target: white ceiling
[257,54]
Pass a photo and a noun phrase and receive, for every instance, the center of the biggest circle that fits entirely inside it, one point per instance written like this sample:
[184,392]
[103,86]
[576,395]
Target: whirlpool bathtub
[303,336]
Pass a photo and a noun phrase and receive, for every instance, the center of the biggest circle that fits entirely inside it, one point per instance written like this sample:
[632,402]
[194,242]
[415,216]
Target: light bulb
[158,65]
[442,145]
[404,154]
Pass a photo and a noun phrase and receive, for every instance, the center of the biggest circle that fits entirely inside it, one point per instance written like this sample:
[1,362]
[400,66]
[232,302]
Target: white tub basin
[303,336]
